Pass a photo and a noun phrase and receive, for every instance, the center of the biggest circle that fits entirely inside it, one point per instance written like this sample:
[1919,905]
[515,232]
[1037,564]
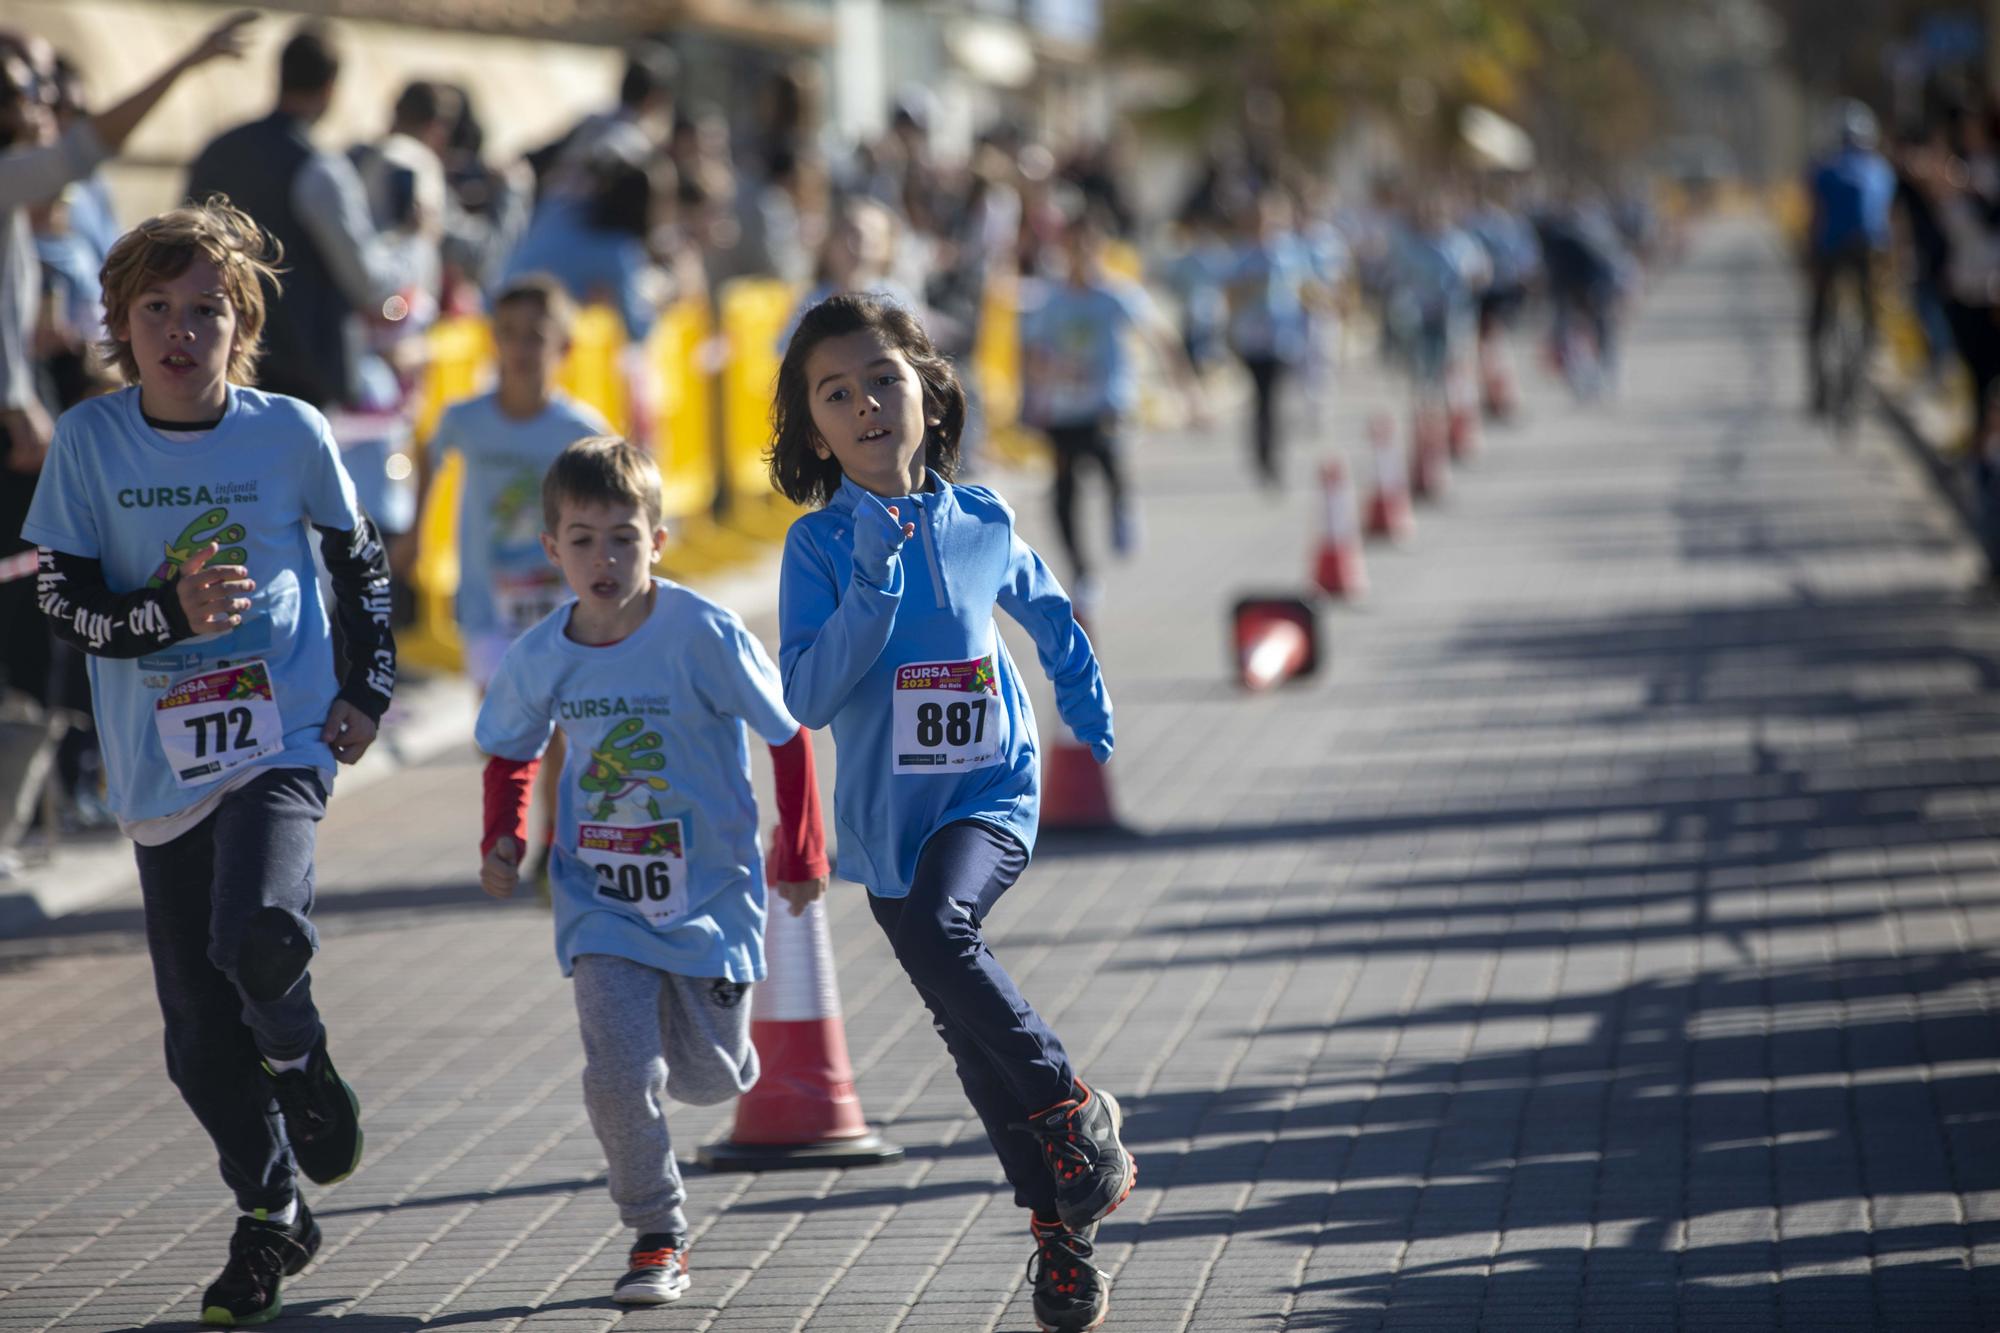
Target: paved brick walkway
[1606,941]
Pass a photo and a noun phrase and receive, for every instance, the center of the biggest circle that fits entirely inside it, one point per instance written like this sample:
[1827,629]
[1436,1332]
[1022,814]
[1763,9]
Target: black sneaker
[1093,1171]
[1070,1294]
[658,1271]
[261,1254]
[322,1117]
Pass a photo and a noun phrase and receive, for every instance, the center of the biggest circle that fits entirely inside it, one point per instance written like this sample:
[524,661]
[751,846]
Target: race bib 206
[641,867]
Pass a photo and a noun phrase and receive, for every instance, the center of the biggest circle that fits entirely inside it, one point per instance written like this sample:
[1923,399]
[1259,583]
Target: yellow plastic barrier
[461,361]
[677,356]
[592,372]
[754,314]
[461,354]
[996,360]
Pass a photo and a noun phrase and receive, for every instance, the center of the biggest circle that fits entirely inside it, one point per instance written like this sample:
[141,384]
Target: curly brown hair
[798,472]
[161,248]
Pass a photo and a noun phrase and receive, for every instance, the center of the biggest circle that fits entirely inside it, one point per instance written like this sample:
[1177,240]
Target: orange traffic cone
[1339,571]
[1076,793]
[802,1111]
[1389,512]
[1462,414]
[1430,470]
[1277,639]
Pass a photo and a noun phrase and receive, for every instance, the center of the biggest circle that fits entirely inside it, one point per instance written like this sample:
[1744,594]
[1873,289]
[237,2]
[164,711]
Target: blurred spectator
[486,210]
[404,172]
[857,256]
[632,131]
[1923,249]
[338,268]
[596,244]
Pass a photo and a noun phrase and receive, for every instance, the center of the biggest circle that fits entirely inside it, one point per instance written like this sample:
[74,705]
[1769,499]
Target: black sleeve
[83,611]
[363,644]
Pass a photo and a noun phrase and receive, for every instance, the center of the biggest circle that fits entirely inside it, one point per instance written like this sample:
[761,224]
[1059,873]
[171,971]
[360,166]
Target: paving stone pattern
[1605,940]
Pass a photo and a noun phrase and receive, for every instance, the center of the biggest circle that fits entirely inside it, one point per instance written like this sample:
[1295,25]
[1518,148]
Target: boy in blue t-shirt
[657,878]
[508,438]
[173,525]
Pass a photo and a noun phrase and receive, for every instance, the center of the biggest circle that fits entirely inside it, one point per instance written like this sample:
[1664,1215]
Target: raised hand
[226,38]
[213,597]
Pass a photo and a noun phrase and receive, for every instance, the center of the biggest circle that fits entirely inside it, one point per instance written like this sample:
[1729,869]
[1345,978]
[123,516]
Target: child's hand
[348,732]
[801,894]
[879,534]
[213,597]
[500,873]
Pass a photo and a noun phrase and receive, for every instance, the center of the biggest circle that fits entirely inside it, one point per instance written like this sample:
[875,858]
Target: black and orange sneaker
[322,1116]
[1070,1294]
[658,1271]
[262,1253]
[1092,1170]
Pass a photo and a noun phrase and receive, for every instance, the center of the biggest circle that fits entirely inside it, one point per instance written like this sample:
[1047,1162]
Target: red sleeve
[507,783]
[800,850]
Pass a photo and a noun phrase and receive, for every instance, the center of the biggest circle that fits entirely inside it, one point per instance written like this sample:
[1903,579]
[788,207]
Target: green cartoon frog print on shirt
[620,766]
[212,526]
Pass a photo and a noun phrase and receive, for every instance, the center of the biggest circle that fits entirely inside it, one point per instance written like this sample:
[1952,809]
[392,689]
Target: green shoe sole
[216,1315]
[360,1136]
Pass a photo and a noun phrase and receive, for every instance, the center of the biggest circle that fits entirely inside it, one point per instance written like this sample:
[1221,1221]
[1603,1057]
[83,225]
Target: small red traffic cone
[1389,513]
[1076,792]
[802,1112]
[1462,414]
[1430,469]
[1339,571]
[1277,639]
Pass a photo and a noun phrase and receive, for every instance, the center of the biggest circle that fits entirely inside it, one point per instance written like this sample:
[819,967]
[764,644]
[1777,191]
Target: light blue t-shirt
[1080,357]
[656,856]
[117,491]
[1268,313]
[595,264]
[505,582]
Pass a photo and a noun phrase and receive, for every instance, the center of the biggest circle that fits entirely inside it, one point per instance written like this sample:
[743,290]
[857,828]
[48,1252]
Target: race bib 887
[948,716]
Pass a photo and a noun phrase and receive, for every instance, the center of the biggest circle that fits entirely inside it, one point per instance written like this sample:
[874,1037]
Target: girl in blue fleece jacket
[887,634]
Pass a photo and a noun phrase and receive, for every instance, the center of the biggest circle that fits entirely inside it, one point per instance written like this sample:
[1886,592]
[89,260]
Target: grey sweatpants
[648,1034]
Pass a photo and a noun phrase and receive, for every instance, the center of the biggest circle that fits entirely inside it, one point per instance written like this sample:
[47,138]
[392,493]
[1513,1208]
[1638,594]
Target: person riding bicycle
[1852,190]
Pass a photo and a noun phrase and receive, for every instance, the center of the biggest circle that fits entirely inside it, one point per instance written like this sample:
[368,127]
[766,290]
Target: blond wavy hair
[161,248]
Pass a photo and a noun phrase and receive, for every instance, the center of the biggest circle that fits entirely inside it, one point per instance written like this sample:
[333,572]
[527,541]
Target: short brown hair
[161,248]
[602,469]
[543,290]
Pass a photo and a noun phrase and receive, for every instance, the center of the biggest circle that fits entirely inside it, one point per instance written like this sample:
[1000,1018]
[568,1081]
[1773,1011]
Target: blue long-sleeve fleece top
[892,642]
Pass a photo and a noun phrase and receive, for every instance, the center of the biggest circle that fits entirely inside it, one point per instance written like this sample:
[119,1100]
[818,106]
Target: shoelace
[1059,1146]
[259,1252]
[653,1258]
[1051,1244]
[293,1089]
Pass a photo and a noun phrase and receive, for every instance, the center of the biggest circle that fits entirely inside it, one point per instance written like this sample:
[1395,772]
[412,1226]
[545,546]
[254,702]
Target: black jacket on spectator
[306,350]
